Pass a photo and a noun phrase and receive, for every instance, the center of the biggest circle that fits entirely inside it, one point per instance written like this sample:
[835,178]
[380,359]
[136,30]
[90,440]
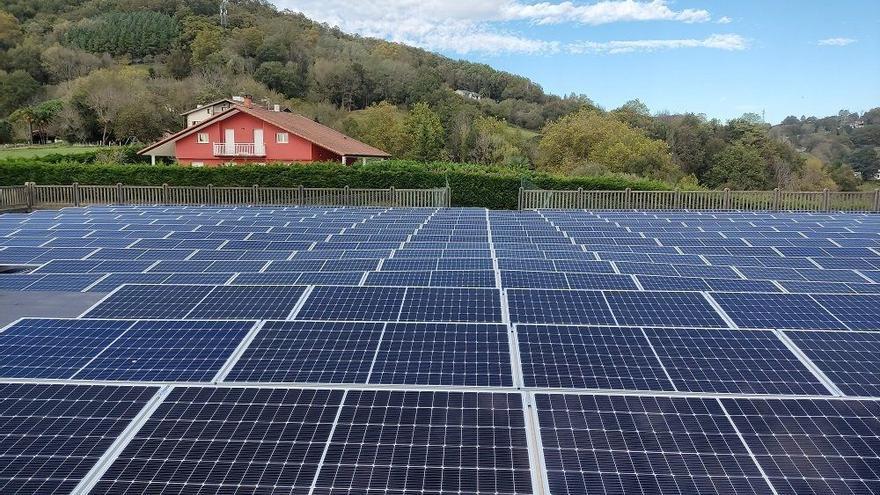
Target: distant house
[469,94]
[244,133]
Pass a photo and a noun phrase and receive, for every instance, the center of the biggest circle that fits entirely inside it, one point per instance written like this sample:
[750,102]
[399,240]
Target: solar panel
[451,305]
[52,435]
[353,303]
[850,359]
[686,309]
[600,281]
[812,446]
[732,361]
[150,301]
[558,306]
[589,357]
[427,442]
[248,302]
[443,354]
[628,444]
[325,352]
[856,312]
[47,348]
[776,311]
[167,351]
[225,440]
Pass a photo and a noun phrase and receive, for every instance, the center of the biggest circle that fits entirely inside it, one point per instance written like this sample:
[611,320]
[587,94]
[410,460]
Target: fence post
[519,199]
[393,196]
[826,199]
[775,198]
[726,204]
[211,194]
[29,192]
[255,198]
[627,202]
[76,194]
[346,196]
[300,191]
[677,200]
[119,193]
[876,199]
[166,193]
[449,195]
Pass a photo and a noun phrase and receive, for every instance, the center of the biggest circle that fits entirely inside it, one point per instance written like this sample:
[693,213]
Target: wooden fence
[530,199]
[31,195]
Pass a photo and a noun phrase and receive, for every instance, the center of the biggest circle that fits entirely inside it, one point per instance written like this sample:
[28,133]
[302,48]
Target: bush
[472,185]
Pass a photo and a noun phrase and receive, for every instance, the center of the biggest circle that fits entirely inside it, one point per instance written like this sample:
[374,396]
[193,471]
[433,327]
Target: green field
[51,149]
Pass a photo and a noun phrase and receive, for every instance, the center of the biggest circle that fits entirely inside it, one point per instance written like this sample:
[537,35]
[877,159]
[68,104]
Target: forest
[122,71]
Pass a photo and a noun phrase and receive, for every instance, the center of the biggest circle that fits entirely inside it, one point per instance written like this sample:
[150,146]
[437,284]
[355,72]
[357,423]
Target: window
[203,137]
[196,122]
[198,164]
[281,137]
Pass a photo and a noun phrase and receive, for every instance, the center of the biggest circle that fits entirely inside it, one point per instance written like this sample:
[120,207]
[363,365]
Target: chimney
[276,108]
[248,101]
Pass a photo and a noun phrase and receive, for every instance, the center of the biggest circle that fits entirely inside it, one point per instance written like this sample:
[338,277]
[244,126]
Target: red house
[244,133]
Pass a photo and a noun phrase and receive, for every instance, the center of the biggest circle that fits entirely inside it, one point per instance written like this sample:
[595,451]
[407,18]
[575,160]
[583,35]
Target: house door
[259,144]
[230,141]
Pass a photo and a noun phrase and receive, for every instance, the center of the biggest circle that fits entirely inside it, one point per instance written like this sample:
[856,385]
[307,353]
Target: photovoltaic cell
[167,351]
[150,301]
[589,357]
[248,302]
[427,442]
[861,312]
[558,306]
[352,303]
[296,351]
[443,354]
[52,435]
[227,440]
[647,445]
[812,446]
[686,309]
[452,305]
[850,359]
[776,311]
[732,361]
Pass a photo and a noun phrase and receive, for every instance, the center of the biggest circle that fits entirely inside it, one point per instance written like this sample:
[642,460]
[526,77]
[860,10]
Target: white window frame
[201,135]
[197,164]
[282,137]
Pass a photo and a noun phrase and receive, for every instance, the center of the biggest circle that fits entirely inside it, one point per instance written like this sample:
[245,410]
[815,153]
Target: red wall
[297,149]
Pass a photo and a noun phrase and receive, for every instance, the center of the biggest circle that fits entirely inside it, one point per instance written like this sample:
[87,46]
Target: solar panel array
[394,351]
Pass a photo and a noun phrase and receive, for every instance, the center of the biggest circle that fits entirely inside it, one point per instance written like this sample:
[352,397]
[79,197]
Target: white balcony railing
[239,149]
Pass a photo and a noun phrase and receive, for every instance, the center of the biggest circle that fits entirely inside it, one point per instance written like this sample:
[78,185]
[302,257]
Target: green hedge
[472,185]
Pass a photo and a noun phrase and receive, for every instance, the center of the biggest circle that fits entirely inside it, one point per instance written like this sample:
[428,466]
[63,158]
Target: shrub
[472,185]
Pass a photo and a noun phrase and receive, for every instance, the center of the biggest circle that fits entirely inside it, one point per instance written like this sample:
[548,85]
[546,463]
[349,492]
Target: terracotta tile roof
[304,127]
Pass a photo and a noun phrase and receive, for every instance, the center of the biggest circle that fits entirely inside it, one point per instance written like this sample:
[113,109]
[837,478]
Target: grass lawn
[41,150]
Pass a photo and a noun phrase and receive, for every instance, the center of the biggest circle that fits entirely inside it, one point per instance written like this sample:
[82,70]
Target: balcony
[239,149]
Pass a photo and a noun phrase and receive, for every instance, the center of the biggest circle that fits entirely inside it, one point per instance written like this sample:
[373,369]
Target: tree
[10,30]
[596,142]
[739,167]
[106,92]
[284,78]
[66,64]
[866,161]
[206,43]
[379,125]
[16,89]
[814,176]
[424,133]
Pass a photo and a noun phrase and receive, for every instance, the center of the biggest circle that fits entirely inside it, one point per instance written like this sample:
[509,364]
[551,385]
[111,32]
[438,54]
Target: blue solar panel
[451,305]
[860,312]
[776,311]
[589,357]
[327,352]
[600,281]
[47,348]
[248,302]
[812,446]
[353,303]
[851,360]
[225,440]
[150,301]
[674,309]
[427,442]
[114,280]
[647,445]
[443,354]
[732,361]
[558,306]
[167,351]
[52,435]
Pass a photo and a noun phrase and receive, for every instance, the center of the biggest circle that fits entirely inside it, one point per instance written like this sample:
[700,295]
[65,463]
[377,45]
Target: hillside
[121,71]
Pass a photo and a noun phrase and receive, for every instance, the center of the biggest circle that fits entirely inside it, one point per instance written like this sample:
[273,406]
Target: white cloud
[724,20]
[729,42]
[836,41]
[468,26]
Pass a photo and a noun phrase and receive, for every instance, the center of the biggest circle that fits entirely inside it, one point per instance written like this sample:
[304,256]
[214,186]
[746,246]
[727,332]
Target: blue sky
[721,58]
